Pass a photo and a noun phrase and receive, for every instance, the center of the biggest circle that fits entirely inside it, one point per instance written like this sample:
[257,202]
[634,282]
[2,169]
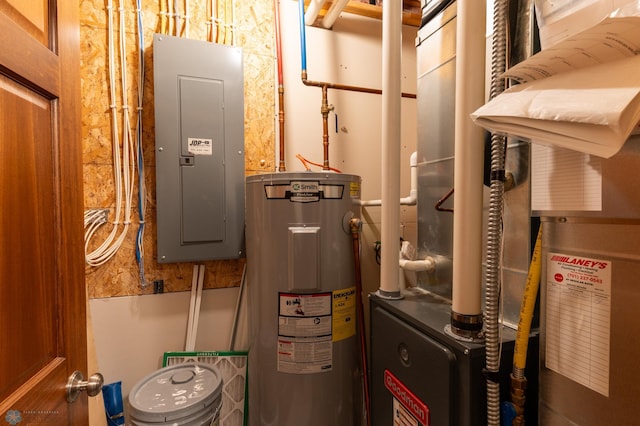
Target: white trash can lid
[175,392]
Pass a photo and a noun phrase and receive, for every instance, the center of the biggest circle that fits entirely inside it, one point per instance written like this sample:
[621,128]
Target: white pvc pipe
[391,97]
[313,9]
[428,264]
[412,198]
[413,192]
[468,162]
[333,13]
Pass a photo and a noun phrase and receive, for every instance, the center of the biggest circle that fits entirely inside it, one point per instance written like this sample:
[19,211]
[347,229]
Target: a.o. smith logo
[297,187]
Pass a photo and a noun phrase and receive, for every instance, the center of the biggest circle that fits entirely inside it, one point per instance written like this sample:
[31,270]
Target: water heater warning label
[305,333]
[344,313]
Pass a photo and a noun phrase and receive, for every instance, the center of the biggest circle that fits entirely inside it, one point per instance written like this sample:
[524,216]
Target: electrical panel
[199,127]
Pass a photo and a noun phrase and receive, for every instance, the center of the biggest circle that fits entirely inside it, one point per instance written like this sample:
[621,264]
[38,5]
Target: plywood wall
[253,30]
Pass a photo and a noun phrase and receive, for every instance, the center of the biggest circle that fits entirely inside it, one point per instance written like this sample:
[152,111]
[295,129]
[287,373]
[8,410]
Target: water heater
[303,353]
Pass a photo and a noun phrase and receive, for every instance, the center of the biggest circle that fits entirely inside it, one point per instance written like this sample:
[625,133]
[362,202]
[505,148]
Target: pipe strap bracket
[497,175]
[492,376]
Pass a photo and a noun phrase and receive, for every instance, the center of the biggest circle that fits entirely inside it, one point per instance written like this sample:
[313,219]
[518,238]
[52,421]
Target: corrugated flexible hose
[496,203]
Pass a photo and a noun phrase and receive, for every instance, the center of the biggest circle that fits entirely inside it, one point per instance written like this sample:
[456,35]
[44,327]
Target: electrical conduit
[494,227]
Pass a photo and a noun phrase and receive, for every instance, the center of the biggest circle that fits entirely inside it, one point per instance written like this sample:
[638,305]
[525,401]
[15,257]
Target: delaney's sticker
[578,319]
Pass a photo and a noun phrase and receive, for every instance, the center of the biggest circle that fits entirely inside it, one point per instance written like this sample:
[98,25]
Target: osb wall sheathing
[253,31]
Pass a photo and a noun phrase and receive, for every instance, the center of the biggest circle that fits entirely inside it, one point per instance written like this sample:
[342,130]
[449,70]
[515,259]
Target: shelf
[411,11]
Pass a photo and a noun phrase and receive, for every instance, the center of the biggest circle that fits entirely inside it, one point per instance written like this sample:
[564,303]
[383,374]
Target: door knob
[77,384]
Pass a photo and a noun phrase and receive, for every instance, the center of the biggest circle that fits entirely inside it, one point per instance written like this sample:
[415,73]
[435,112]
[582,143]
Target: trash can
[187,394]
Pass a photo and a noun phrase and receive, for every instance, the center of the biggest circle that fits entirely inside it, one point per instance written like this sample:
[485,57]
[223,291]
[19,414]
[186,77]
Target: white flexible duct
[313,9]
[391,97]
[334,11]
[412,198]
[468,164]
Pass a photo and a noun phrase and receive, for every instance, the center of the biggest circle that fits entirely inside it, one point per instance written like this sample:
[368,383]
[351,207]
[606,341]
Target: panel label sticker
[413,405]
[200,146]
[578,319]
[305,333]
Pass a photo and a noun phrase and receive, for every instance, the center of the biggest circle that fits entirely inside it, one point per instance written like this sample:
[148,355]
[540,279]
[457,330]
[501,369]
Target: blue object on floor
[113,406]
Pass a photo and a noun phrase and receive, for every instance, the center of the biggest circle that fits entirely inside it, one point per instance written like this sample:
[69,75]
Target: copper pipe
[442,200]
[326,85]
[347,87]
[324,110]
[281,167]
[355,225]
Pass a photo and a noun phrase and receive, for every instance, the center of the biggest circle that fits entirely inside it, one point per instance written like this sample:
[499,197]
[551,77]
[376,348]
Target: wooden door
[42,292]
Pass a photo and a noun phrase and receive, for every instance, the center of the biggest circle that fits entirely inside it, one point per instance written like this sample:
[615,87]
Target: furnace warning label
[305,333]
[578,319]
[402,416]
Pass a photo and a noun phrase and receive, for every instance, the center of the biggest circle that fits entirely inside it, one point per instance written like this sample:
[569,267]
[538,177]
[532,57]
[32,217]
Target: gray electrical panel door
[199,124]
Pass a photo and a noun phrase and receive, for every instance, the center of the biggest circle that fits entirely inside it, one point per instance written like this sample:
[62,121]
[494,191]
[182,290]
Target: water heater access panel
[199,123]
